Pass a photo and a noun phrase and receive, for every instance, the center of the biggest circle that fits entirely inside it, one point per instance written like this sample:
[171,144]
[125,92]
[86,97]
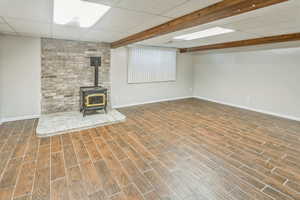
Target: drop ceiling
[126,17]
[274,20]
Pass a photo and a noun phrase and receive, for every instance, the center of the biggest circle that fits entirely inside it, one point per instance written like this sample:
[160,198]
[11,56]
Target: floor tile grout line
[182,127]
[77,162]
[262,189]
[140,156]
[132,182]
[77,158]
[285,182]
[108,146]
[19,171]
[50,172]
[65,166]
[246,182]
[288,196]
[103,158]
[35,171]
[63,158]
[12,150]
[6,140]
[23,161]
[124,170]
[90,160]
[9,156]
[152,169]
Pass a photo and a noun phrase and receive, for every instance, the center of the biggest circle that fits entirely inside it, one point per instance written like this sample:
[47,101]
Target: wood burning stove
[93,98]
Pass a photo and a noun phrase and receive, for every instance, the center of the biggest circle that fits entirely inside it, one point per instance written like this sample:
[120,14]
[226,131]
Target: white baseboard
[147,102]
[9,119]
[251,109]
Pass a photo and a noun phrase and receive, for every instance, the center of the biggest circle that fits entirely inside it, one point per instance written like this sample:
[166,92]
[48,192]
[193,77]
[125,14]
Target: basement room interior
[149,100]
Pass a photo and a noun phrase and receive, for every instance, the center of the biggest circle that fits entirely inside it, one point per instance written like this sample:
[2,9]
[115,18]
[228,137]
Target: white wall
[20,65]
[1,80]
[129,94]
[265,80]
[20,85]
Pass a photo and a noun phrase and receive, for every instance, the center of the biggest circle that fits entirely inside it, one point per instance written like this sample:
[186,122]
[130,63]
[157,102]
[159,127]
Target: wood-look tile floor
[181,150]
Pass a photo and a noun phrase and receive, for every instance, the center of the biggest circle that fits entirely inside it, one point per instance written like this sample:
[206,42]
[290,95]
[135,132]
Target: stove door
[95,100]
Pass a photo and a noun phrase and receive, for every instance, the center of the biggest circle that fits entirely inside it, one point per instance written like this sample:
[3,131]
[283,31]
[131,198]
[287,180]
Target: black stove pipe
[96,62]
[96,75]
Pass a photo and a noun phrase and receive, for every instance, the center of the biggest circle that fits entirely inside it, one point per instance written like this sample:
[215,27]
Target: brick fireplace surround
[65,68]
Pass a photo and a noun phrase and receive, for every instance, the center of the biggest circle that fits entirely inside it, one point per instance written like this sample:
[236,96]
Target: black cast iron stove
[93,98]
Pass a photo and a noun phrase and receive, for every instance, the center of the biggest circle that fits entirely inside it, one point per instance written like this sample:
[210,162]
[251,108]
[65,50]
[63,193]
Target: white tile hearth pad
[59,123]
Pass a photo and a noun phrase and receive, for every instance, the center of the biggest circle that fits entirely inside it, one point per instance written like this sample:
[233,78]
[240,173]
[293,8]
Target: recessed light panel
[206,33]
[76,12]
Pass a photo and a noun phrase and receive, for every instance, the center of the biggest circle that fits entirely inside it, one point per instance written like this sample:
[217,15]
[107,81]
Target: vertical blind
[151,64]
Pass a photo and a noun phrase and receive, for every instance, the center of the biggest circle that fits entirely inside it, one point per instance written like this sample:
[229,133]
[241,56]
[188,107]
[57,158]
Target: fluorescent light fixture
[78,12]
[206,33]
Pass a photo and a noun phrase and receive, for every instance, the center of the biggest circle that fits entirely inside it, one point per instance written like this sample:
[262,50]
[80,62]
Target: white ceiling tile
[30,27]
[67,32]
[33,17]
[168,41]
[272,20]
[258,22]
[190,6]
[38,35]
[156,20]
[234,36]
[101,36]
[105,2]
[295,2]
[157,40]
[280,29]
[38,10]
[5,28]
[262,22]
[268,16]
[277,10]
[122,20]
[245,24]
[221,39]
[168,38]
[165,40]
[185,45]
[153,6]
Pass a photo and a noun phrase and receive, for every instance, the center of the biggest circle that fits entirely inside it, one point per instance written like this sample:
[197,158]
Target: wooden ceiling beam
[221,10]
[243,43]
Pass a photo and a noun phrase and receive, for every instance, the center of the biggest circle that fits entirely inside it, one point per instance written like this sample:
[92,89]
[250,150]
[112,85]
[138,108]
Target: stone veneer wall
[65,68]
